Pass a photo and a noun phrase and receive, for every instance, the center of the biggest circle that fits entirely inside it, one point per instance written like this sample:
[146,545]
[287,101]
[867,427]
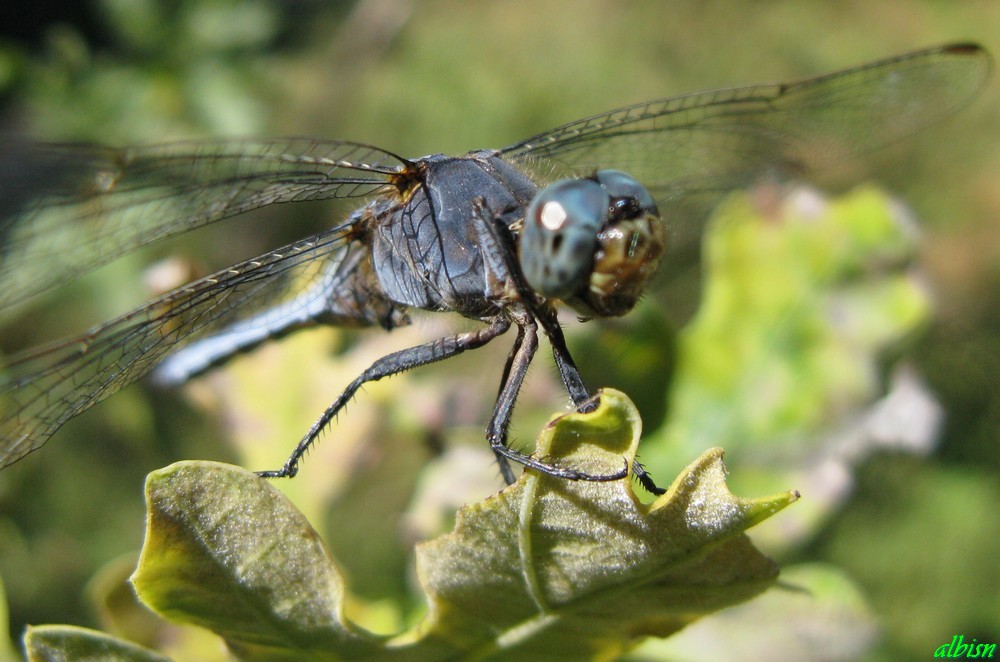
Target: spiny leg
[496,432]
[505,468]
[582,399]
[387,366]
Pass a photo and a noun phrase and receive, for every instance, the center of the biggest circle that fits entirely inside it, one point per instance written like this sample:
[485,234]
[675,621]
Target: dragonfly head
[593,242]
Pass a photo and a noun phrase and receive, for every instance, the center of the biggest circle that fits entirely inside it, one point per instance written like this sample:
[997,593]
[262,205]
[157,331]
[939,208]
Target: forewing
[43,389]
[690,149]
[68,208]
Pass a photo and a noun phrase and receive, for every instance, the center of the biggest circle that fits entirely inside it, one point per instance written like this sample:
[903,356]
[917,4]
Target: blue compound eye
[622,186]
[559,237]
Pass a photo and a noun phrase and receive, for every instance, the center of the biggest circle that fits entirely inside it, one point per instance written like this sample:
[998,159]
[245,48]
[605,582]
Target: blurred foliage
[450,76]
[816,598]
[780,364]
[6,645]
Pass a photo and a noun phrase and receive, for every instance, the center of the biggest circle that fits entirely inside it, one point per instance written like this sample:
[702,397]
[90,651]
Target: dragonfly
[575,217]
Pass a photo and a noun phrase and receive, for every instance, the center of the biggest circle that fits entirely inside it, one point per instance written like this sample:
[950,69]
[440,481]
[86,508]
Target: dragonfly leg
[387,366]
[513,377]
[496,433]
[570,374]
[646,479]
[578,392]
[505,469]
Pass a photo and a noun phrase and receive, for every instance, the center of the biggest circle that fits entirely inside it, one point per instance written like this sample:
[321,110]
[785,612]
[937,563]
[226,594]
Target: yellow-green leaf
[547,565]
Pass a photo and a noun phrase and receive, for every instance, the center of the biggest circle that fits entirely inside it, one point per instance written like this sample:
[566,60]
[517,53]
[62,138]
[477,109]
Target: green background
[918,535]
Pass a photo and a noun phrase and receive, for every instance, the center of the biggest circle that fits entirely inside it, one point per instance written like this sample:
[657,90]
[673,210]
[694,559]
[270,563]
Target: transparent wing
[68,208]
[690,149]
[43,389]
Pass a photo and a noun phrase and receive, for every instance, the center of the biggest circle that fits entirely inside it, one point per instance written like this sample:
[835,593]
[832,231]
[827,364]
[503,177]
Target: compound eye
[560,236]
[620,185]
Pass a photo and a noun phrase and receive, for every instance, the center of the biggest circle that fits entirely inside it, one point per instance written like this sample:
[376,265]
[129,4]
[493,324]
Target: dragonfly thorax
[592,242]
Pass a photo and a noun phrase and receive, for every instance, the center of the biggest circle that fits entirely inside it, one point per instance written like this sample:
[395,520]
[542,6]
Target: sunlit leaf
[67,642]
[582,568]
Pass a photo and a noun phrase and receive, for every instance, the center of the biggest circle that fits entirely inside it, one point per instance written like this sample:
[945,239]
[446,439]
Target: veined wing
[68,208]
[44,388]
[690,149]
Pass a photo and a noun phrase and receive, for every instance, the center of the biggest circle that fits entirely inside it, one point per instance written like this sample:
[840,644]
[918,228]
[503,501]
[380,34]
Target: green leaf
[545,566]
[226,551]
[66,642]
